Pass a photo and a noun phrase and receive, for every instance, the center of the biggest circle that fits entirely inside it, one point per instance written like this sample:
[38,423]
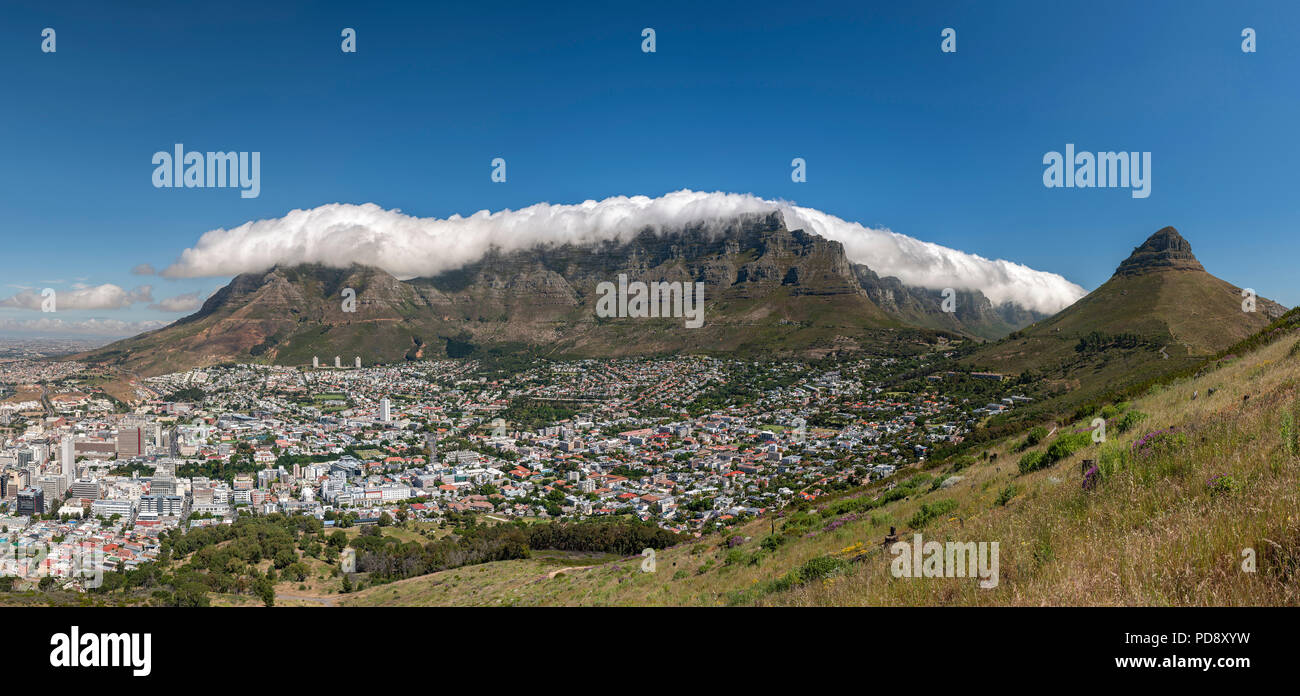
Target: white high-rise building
[69,461]
[315,361]
[358,362]
[385,410]
[338,362]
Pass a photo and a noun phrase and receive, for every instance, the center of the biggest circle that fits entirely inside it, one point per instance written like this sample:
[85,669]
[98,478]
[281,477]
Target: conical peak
[1166,249]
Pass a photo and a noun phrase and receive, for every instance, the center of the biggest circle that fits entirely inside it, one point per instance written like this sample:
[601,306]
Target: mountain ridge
[769,290]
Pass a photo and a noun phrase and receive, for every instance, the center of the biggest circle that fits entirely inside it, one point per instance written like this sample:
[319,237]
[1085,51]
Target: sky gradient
[946,148]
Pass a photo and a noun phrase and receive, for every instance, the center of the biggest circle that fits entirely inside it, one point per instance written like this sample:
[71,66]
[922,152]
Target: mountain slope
[1158,313]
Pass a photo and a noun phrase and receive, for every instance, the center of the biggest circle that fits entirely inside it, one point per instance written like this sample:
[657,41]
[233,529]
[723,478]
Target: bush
[1007,494]
[1129,420]
[930,511]
[821,567]
[962,462]
[1110,460]
[1033,461]
[1066,445]
[1158,443]
[1223,484]
[1036,435]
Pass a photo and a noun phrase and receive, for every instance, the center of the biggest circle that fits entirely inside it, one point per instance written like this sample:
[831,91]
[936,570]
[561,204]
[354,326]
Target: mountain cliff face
[768,290]
[972,314]
[1164,250]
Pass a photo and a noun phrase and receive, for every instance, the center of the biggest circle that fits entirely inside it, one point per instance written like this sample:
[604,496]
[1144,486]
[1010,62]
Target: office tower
[385,410]
[85,488]
[315,361]
[130,441]
[338,362]
[358,362]
[69,459]
[31,501]
[162,485]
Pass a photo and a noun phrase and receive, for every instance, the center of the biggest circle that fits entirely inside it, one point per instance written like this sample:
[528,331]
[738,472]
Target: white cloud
[106,296]
[188,302]
[143,269]
[340,234]
[88,327]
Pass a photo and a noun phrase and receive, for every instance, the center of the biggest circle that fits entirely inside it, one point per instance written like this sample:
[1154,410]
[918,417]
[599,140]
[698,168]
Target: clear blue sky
[943,147]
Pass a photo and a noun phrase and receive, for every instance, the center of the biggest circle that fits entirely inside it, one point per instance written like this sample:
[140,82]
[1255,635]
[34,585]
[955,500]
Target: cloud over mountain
[340,234]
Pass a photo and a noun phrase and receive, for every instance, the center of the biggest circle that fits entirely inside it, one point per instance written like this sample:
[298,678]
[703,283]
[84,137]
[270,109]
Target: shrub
[1066,445]
[1035,435]
[930,511]
[1033,461]
[1130,419]
[821,567]
[1007,494]
[840,522]
[1159,442]
[1110,460]
[962,462]
[1222,484]
[772,541]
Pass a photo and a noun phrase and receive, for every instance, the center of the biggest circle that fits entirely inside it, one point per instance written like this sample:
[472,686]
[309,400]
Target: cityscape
[906,314]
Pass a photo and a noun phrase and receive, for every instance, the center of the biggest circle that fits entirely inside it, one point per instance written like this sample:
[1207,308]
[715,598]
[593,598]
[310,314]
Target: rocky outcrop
[1164,250]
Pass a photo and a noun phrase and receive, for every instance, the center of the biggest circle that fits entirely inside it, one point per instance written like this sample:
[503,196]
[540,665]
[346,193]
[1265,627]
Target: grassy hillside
[1132,329]
[1194,481]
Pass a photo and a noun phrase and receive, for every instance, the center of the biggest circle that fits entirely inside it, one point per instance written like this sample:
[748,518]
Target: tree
[385,520]
[296,571]
[265,590]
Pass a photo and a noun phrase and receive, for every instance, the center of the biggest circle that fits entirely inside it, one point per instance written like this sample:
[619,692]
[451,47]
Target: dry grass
[1154,532]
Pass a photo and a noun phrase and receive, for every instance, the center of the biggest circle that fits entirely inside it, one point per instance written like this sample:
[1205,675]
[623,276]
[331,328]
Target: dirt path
[551,575]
